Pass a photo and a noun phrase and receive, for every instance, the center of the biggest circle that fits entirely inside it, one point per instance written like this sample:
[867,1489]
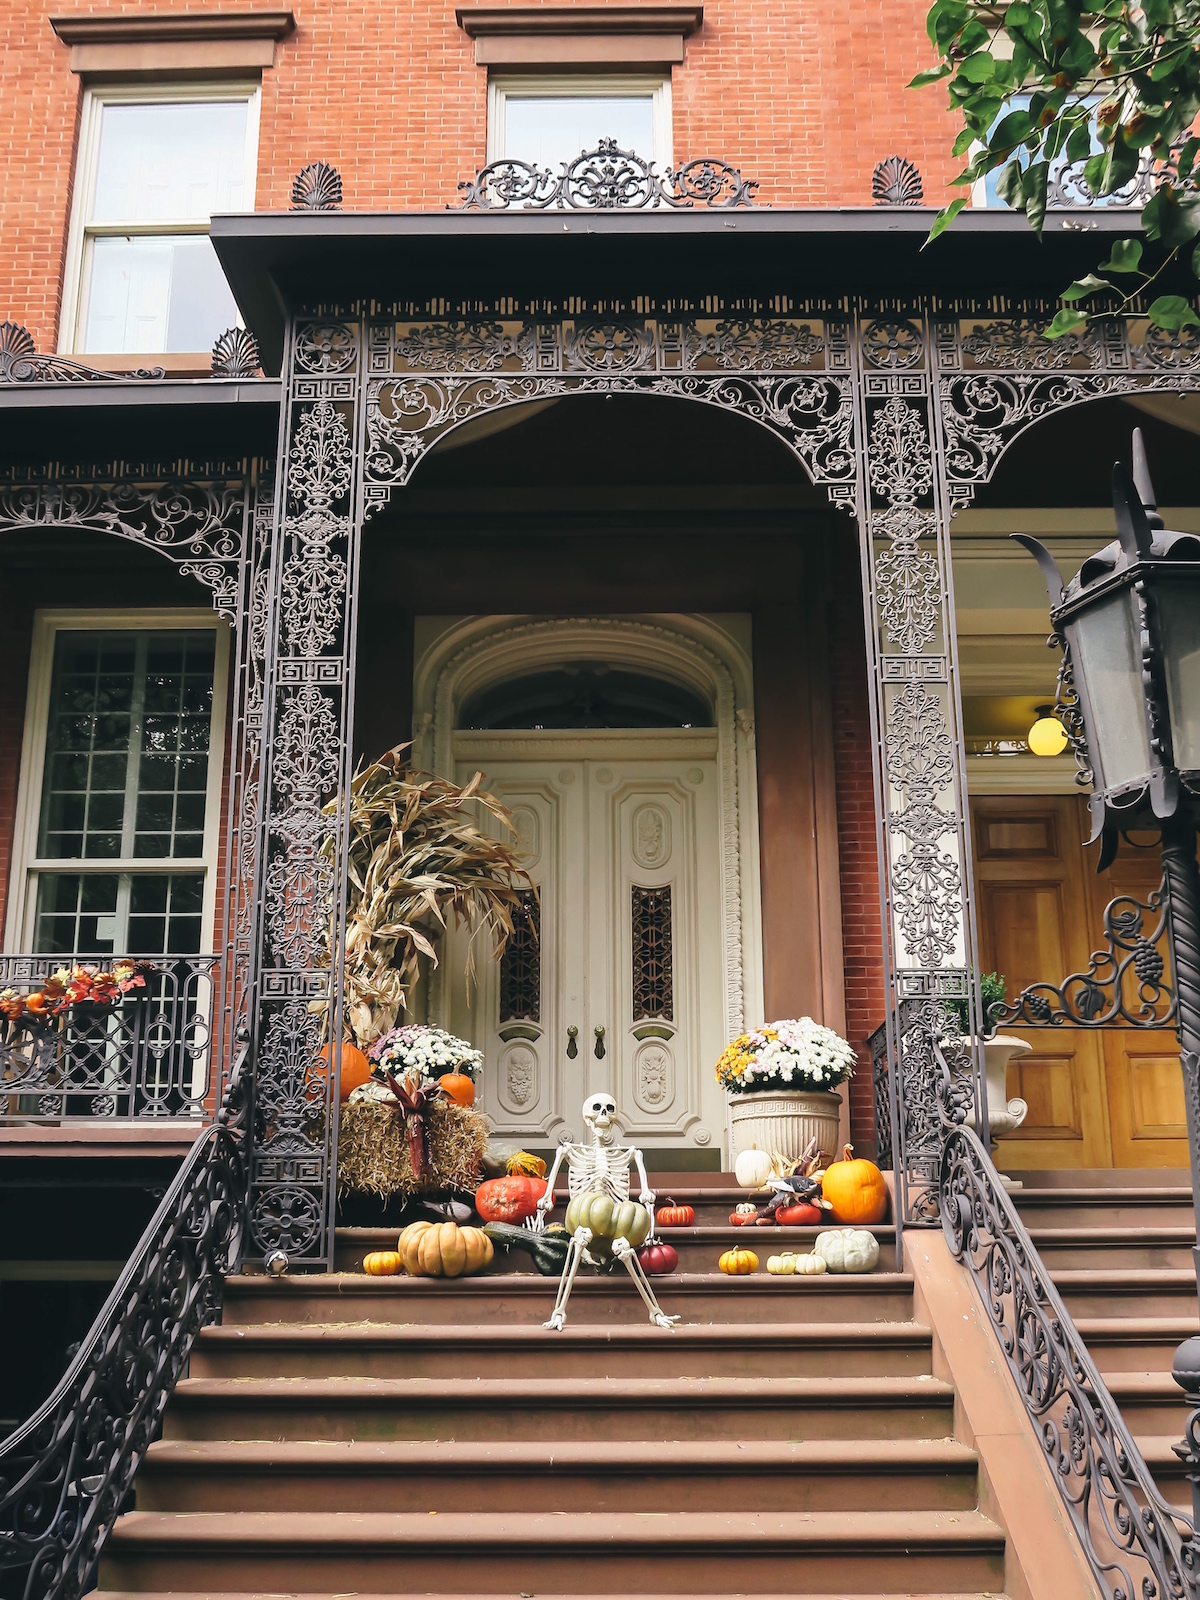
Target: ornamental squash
[548,1250]
[810,1266]
[781,1266]
[658,1259]
[847,1249]
[443,1250]
[672,1216]
[855,1190]
[743,1213]
[355,1068]
[609,1221]
[753,1167]
[522,1164]
[382,1263]
[458,1087]
[509,1199]
[738,1262]
[801,1215]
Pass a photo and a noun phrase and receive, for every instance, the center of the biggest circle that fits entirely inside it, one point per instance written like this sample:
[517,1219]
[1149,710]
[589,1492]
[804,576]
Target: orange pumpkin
[355,1070]
[738,1262]
[673,1216]
[458,1087]
[509,1199]
[855,1190]
[382,1263]
[443,1249]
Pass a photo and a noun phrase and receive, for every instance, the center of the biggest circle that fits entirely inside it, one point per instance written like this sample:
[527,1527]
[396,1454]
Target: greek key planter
[783,1121]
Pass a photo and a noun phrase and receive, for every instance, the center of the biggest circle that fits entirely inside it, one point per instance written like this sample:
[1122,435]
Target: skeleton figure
[599,1168]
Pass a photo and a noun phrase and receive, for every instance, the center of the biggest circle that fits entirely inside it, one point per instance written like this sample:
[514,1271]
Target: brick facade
[804,97]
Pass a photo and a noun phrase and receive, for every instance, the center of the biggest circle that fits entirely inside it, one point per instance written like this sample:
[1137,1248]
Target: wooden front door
[617,982]
[1097,1097]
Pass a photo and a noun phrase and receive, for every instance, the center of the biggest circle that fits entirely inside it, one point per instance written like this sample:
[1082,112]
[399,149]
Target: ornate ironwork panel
[605,179]
[653,955]
[147,1053]
[304,777]
[521,963]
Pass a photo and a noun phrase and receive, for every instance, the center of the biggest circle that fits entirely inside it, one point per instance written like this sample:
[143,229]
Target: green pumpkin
[609,1220]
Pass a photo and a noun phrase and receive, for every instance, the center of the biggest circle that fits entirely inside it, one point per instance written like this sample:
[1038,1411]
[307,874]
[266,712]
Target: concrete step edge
[334,1284]
[181,1594]
[1128,1330]
[409,1336]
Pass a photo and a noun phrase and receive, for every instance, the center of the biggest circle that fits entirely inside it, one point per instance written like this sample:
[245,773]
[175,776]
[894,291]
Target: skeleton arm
[546,1204]
[646,1195]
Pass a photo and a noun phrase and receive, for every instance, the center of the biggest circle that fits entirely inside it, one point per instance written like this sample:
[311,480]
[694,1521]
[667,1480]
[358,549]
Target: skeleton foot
[557,1321]
[626,1254]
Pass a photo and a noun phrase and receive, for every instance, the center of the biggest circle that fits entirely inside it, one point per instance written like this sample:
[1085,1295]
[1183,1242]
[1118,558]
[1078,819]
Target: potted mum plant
[781,1080]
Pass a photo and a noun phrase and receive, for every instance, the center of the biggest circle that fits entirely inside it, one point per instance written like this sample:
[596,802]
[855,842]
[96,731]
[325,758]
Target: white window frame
[81,232]
[582,86]
[23,876]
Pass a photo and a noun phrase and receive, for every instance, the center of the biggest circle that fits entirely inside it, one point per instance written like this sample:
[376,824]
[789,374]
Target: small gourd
[848,1249]
[459,1088]
[522,1164]
[738,1262]
[658,1259]
[672,1216]
[782,1266]
[753,1167]
[855,1190]
[443,1250]
[810,1266]
[743,1213]
[382,1263]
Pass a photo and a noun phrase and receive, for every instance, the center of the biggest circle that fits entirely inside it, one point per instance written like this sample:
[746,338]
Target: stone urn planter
[783,1121]
[1004,1115]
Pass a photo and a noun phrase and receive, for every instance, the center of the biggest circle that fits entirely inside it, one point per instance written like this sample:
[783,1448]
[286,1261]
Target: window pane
[87,746]
[550,129]
[170,162]
[164,913]
[76,914]
[149,295]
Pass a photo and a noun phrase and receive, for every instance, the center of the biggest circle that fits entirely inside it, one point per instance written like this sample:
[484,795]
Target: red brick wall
[862,942]
[804,95]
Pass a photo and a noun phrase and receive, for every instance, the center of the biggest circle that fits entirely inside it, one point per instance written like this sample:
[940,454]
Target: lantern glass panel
[1179,639]
[1107,658]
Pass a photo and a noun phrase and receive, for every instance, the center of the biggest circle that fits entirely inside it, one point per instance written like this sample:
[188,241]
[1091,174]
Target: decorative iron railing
[65,1474]
[1135,1543]
[142,1053]
[605,179]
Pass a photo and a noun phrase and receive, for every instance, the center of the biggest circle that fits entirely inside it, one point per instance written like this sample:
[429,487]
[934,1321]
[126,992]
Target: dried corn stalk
[418,863]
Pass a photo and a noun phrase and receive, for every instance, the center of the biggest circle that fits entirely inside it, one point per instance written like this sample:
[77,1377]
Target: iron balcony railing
[85,1047]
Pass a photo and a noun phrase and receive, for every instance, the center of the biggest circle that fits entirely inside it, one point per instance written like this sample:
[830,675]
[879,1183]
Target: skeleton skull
[599,1113]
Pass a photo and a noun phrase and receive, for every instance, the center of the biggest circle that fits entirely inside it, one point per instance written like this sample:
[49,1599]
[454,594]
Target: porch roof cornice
[278,260]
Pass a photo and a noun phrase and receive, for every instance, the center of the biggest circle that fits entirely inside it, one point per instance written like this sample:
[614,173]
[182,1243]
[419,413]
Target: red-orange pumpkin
[509,1199]
[459,1088]
[673,1216]
[741,1218]
[800,1215]
[356,1069]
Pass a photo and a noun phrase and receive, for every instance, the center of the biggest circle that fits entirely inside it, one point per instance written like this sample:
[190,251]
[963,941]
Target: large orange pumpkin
[443,1249]
[356,1069]
[509,1199]
[855,1190]
[458,1087]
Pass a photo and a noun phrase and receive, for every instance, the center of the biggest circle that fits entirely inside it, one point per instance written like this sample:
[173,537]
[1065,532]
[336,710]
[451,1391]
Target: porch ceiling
[279,260]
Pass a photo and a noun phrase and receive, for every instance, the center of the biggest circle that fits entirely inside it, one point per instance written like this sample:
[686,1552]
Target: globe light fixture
[1047,737]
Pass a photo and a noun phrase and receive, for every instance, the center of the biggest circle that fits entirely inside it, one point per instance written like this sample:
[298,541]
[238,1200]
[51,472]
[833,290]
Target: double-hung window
[549,120]
[154,165]
[121,786]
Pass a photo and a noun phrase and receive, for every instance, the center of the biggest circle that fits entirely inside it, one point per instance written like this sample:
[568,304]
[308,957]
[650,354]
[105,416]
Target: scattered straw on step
[373,1151]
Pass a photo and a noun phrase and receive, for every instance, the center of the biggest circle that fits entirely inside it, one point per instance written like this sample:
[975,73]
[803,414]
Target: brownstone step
[699,1248]
[1156,1206]
[1094,1292]
[699,1299]
[390,1350]
[1151,1402]
[1159,1455]
[792,1594]
[1134,1343]
[681,1553]
[1116,1249]
[571,1475]
[914,1407]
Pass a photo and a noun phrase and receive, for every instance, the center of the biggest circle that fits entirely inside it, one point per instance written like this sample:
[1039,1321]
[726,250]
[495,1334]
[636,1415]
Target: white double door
[622,989]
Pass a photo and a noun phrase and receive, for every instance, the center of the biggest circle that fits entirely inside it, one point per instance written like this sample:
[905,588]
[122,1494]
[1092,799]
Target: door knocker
[598,1050]
[572,1042]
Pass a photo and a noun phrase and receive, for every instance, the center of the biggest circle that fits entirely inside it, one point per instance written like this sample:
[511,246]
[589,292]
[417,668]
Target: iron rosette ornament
[605,179]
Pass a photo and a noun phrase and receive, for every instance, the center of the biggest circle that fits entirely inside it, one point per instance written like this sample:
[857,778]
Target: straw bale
[373,1151]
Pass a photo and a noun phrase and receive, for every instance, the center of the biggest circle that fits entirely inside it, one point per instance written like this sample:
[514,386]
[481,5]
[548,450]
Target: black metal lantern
[1129,623]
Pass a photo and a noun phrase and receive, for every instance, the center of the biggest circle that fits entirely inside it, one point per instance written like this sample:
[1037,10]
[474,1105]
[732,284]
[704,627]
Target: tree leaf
[978,68]
[1083,287]
[1124,256]
[1066,321]
[944,218]
[1172,312]
[1172,215]
[931,75]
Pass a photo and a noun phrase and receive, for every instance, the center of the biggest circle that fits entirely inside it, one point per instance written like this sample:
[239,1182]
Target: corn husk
[373,1156]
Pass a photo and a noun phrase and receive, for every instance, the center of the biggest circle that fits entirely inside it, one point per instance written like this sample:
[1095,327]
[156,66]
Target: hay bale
[373,1151]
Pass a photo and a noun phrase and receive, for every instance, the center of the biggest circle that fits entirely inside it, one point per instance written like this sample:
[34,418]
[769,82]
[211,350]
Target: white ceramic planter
[1004,1115]
[783,1121]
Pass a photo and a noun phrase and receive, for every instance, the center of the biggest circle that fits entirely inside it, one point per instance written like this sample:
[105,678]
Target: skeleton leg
[625,1253]
[579,1240]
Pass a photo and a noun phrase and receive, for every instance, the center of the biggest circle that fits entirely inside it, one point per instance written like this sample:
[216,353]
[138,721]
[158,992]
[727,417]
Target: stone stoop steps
[343,1435]
[1119,1249]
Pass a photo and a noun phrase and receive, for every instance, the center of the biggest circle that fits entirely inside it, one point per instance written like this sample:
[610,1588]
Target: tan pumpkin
[738,1262]
[855,1190]
[382,1263]
[443,1250]
[810,1266]
[781,1266]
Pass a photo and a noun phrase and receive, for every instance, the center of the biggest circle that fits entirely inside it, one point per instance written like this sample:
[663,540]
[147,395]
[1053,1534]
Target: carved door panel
[519,1010]
[655,947]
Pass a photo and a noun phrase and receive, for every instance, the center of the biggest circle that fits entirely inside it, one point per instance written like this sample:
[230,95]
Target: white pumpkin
[847,1249]
[782,1266]
[753,1167]
[810,1266]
